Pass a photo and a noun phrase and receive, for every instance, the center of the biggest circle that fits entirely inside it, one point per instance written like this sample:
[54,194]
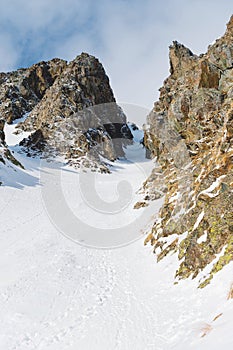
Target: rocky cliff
[78,115]
[70,108]
[21,90]
[190,131]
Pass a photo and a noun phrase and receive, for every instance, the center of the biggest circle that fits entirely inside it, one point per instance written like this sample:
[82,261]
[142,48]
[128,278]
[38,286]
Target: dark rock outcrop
[190,131]
[2,135]
[77,114]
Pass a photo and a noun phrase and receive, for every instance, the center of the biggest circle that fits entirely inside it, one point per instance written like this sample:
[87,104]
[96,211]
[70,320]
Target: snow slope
[56,294]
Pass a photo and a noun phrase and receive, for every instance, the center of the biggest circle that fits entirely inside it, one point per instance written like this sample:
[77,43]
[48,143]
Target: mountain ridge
[190,131]
[70,111]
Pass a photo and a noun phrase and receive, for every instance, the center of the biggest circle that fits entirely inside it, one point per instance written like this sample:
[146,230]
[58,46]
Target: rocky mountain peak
[220,53]
[179,56]
[21,90]
[230,26]
[70,107]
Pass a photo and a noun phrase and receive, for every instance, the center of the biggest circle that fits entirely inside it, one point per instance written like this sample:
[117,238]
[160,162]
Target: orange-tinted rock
[190,131]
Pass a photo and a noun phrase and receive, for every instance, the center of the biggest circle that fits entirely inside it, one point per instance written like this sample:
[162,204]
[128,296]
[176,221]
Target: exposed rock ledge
[190,131]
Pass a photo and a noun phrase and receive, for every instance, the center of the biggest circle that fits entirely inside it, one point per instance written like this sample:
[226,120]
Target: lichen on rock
[190,131]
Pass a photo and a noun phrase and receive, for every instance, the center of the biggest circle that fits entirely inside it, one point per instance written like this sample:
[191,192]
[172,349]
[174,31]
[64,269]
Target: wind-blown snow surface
[58,295]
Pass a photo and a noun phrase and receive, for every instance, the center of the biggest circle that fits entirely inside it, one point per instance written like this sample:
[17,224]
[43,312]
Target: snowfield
[58,294]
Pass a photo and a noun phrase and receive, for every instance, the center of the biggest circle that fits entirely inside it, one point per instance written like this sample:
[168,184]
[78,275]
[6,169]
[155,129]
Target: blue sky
[130,37]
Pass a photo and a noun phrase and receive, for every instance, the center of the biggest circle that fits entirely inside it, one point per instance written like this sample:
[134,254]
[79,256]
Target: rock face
[190,131]
[78,115]
[71,110]
[21,90]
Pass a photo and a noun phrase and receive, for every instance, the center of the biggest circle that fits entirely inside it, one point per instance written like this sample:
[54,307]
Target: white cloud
[8,54]
[137,41]
[130,38]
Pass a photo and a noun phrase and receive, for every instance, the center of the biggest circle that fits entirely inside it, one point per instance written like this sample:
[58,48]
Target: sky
[130,37]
